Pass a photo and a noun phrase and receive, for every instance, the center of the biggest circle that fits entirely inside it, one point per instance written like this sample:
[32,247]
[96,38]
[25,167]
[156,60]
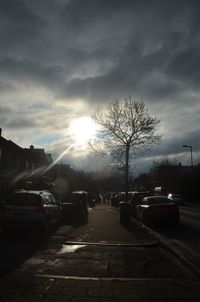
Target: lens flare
[82,130]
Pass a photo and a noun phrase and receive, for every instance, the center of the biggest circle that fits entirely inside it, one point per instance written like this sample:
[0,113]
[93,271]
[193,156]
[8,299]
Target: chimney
[0,132]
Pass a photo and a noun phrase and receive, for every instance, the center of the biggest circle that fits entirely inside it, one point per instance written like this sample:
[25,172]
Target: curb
[87,243]
[189,261]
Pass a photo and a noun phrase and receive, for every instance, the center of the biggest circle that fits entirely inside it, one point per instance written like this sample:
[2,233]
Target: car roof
[174,194]
[141,192]
[156,197]
[36,192]
[79,192]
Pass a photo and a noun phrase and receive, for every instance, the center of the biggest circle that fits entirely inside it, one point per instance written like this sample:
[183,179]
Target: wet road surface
[186,235]
[102,248]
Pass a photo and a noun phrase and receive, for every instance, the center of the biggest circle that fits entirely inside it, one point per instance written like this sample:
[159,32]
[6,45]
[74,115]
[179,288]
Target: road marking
[104,243]
[182,282]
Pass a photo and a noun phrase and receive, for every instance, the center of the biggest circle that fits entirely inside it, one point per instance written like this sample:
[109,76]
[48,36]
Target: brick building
[17,163]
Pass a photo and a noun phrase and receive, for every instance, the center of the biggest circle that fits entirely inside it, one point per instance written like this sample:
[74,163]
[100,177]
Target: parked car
[113,199]
[30,209]
[76,206]
[176,198]
[116,198]
[158,209]
[135,199]
[91,199]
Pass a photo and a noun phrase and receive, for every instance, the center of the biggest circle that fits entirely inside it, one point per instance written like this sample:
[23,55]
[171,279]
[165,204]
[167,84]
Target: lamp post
[191,156]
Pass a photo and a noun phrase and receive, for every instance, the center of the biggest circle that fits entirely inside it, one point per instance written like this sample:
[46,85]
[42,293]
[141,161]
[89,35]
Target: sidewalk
[29,286]
[74,289]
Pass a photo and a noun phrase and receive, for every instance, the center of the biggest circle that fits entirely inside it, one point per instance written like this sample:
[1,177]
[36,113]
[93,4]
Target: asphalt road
[187,233]
[190,217]
[100,247]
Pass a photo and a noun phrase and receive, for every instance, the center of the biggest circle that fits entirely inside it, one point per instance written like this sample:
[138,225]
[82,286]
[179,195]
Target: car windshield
[76,197]
[23,199]
[137,197]
[160,200]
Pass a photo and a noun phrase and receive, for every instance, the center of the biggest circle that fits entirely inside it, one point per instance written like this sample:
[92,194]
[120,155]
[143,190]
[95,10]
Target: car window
[48,199]
[160,200]
[53,199]
[144,201]
[24,199]
[138,197]
[76,198]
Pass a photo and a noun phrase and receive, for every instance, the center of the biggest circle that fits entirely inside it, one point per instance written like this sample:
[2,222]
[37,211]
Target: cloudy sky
[62,59]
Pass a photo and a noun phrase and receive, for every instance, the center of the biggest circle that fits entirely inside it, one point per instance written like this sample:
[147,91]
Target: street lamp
[189,146]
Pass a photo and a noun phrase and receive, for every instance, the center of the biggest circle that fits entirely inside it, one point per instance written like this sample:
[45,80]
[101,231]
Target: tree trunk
[126,176]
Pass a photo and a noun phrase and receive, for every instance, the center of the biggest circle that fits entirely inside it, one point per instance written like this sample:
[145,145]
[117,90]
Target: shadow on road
[17,246]
[180,232]
[139,232]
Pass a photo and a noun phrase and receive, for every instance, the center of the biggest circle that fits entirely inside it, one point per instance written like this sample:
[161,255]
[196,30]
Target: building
[18,164]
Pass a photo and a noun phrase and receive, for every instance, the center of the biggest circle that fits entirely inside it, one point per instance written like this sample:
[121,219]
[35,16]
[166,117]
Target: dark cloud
[185,66]
[172,147]
[18,24]
[17,12]
[147,59]
[4,113]
[129,45]
[97,50]
[21,123]
[23,71]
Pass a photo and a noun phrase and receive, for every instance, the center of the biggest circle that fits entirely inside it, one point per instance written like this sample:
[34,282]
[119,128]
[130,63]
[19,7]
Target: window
[23,199]
[49,199]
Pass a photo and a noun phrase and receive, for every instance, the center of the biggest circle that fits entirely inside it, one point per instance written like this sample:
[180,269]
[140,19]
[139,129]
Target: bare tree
[125,128]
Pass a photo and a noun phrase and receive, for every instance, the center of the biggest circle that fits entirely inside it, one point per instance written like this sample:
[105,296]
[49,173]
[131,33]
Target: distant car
[76,206]
[113,199]
[176,198]
[91,199]
[116,198]
[135,199]
[30,209]
[158,210]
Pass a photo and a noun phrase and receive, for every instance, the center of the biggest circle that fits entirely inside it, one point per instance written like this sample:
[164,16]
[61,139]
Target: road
[183,239]
[101,247]
[187,233]
[190,217]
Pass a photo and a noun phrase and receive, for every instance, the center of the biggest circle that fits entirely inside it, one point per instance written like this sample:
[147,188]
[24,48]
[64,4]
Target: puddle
[70,248]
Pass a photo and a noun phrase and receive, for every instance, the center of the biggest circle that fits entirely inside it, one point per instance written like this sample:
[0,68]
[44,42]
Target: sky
[62,59]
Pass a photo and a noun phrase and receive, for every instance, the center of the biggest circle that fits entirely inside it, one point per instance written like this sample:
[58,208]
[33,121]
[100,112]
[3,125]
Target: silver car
[30,209]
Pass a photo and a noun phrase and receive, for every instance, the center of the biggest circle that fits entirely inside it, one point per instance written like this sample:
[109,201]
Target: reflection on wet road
[100,248]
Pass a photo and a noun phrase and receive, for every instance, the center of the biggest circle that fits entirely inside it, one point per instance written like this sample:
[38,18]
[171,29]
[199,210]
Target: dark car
[76,206]
[135,199]
[91,199]
[176,198]
[114,199]
[158,210]
[117,198]
[30,209]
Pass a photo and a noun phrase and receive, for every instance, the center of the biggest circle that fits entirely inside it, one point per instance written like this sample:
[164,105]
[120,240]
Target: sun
[82,130]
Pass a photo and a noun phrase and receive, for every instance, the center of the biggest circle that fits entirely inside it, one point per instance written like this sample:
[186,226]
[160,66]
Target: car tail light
[42,208]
